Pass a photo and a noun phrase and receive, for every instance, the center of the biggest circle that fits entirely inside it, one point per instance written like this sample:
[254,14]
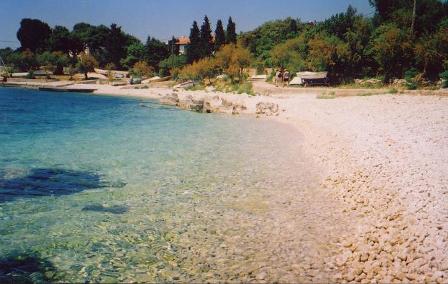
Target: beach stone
[267,109]
[212,104]
[171,99]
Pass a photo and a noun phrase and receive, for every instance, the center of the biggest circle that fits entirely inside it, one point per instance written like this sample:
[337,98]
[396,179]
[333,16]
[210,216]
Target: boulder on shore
[267,109]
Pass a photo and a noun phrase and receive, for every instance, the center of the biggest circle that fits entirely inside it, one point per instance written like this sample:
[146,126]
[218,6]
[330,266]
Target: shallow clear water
[97,188]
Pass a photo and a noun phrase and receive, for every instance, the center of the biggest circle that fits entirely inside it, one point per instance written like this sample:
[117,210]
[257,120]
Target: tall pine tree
[220,35]
[206,48]
[231,31]
[193,50]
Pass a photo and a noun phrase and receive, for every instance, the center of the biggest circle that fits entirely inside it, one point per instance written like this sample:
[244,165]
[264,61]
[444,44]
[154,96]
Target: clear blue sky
[163,18]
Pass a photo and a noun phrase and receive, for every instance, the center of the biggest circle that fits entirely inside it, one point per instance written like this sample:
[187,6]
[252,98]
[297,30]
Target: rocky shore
[383,157]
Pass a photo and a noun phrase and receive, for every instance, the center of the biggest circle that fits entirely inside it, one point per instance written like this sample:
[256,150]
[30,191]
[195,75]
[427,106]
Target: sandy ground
[385,158]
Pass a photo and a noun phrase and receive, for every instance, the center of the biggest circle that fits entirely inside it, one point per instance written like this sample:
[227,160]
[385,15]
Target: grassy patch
[196,87]
[365,94]
[239,88]
[393,91]
[325,96]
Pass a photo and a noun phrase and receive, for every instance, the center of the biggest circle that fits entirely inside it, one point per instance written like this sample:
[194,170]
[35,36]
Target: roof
[312,75]
[183,40]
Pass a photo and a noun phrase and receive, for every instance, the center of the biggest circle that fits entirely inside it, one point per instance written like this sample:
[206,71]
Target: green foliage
[142,69]
[166,66]
[264,38]
[228,86]
[115,45]
[392,50]
[135,52]
[325,96]
[53,62]
[86,63]
[194,48]
[429,14]
[60,40]
[206,39]
[220,35]
[33,34]
[229,60]
[410,77]
[231,36]
[232,59]
[23,61]
[444,77]
[290,55]
[156,51]
[431,50]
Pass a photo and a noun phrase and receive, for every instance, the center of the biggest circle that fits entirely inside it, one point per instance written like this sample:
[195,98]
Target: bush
[444,77]
[168,65]
[410,77]
[142,69]
[227,86]
[86,64]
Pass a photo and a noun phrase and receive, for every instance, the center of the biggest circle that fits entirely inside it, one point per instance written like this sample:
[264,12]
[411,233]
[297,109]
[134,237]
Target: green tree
[206,45]
[429,13]
[193,50]
[173,47]
[261,40]
[86,64]
[115,45]
[173,62]
[431,52]
[290,55]
[232,59]
[135,52]
[231,36]
[23,60]
[142,69]
[60,39]
[156,51]
[392,49]
[220,35]
[33,34]
[53,61]
[328,53]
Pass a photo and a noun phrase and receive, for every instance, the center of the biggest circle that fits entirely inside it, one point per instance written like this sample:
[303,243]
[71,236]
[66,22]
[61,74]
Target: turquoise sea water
[97,188]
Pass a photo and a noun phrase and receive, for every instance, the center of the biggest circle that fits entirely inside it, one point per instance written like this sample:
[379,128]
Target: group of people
[282,77]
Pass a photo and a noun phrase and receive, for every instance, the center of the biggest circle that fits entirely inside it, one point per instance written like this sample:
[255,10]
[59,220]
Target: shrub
[444,77]
[86,64]
[173,62]
[410,77]
[142,69]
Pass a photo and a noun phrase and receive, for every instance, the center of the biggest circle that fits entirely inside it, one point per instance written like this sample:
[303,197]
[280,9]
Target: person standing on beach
[278,77]
[286,78]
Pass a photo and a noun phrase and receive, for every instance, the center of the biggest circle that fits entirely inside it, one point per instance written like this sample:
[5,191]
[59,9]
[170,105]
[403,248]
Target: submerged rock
[116,209]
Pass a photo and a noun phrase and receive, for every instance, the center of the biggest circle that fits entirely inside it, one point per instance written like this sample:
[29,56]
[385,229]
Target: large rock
[213,104]
[190,103]
[267,109]
[171,99]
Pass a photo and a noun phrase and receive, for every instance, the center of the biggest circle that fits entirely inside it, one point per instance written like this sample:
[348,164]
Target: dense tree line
[404,38]
[57,47]
[109,47]
[203,44]
[391,44]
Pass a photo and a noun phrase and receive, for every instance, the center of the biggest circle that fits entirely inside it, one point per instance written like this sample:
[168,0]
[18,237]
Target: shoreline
[385,157]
